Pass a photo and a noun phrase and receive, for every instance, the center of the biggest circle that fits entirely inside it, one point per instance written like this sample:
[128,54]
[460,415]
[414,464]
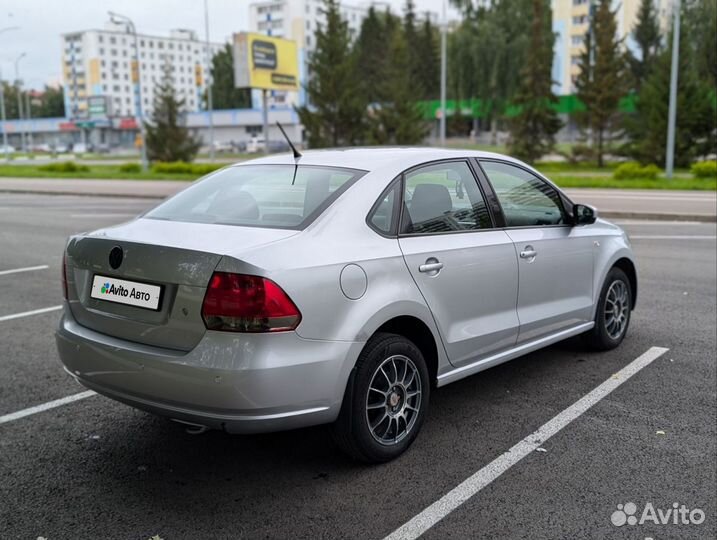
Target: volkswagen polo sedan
[340,287]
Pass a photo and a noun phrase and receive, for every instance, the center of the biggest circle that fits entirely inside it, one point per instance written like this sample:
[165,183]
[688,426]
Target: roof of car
[371,159]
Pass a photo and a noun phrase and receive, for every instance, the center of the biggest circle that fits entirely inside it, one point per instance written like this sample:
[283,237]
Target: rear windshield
[274,196]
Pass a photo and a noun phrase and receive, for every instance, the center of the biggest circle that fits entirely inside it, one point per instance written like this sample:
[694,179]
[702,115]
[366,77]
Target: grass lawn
[561,173]
[102,172]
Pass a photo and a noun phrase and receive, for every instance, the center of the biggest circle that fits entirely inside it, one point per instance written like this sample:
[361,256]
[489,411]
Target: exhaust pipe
[191,429]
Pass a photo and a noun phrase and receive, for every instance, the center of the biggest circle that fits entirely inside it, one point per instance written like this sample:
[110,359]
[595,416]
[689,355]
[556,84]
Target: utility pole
[19,100]
[444,31]
[137,80]
[28,115]
[6,148]
[672,111]
[208,78]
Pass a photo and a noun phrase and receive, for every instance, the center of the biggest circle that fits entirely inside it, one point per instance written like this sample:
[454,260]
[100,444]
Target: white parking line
[28,313]
[671,237]
[464,491]
[45,406]
[101,216]
[26,269]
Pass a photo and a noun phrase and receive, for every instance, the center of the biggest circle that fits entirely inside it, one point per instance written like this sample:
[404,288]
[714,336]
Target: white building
[97,64]
[571,22]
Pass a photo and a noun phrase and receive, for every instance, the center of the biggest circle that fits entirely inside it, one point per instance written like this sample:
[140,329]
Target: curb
[85,194]
[658,216]
[652,216]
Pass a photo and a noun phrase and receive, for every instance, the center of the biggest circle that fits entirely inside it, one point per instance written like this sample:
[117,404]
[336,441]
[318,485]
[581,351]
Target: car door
[555,259]
[466,269]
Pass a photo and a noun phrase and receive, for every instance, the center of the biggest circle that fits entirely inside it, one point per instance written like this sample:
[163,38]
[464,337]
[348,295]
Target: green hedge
[64,167]
[635,171]
[704,169]
[130,168]
[180,167]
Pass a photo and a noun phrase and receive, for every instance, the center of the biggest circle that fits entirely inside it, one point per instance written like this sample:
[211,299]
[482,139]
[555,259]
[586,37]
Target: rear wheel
[385,402]
[612,316]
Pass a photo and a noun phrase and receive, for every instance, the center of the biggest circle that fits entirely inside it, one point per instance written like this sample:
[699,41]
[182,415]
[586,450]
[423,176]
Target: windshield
[274,196]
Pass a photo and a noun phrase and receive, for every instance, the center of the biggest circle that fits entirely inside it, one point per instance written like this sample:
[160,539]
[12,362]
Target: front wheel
[385,402]
[612,316]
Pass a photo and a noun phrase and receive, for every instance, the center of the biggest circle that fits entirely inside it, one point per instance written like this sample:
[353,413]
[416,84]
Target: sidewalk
[612,203]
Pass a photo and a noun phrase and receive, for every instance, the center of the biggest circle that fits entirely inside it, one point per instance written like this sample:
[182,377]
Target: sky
[42,22]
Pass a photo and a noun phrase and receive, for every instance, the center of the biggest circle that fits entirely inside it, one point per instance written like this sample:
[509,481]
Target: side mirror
[584,214]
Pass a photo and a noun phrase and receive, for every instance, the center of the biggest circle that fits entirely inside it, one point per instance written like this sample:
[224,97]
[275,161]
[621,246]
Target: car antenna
[297,154]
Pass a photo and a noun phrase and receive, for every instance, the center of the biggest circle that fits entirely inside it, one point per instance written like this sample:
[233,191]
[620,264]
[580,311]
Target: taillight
[240,303]
[64,275]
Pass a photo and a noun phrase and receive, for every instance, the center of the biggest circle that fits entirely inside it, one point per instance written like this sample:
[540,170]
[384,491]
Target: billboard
[265,62]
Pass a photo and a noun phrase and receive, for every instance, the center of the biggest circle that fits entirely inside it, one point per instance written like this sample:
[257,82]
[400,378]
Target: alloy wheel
[617,309]
[393,401]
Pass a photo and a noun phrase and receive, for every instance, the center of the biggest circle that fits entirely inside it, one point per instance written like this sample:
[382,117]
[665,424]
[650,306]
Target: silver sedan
[341,287]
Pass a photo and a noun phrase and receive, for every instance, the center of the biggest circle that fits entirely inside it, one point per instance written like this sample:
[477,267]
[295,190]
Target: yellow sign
[198,75]
[265,62]
[134,67]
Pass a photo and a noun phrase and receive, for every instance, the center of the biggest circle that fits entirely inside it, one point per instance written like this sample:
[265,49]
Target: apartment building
[571,22]
[97,70]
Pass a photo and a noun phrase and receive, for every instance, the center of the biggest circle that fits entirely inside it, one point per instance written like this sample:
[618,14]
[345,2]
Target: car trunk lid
[177,257]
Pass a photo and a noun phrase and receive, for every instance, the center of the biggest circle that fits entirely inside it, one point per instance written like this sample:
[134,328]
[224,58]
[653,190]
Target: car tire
[389,382]
[611,324]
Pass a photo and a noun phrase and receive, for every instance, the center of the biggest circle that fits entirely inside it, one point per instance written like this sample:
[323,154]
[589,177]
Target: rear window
[273,196]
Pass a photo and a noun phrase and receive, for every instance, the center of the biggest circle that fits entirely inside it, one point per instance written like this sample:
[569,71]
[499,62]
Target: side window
[382,216]
[526,199]
[443,198]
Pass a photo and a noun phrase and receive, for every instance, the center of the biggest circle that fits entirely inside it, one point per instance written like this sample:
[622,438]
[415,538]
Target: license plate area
[130,293]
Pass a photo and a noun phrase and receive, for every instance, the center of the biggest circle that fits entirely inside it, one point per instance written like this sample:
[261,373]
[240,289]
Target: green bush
[704,169]
[133,168]
[635,171]
[581,153]
[180,167]
[64,167]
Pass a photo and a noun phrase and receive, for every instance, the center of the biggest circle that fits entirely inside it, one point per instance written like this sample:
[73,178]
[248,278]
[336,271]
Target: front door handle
[528,253]
[431,267]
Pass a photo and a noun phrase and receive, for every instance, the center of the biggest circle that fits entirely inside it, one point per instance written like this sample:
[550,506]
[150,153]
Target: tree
[167,138]
[646,34]
[10,94]
[369,49]
[52,103]
[601,81]
[700,23]
[398,119]
[428,69]
[695,123]
[534,127]
[224,94]
[487,53]
[411,38]
[337,109]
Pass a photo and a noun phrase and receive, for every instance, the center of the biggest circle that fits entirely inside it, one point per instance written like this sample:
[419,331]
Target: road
[646,204]
[94,468]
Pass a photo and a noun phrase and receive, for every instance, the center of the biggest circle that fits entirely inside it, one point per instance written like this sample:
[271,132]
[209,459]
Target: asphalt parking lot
[93,468]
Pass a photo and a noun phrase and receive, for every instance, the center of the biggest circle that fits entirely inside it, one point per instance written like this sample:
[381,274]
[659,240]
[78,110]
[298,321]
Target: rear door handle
[528,253]
[432,266]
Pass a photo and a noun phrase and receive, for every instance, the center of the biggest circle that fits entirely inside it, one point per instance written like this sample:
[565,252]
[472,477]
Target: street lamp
[672,106]
[19,100]
[2,103]
[444,30]
[116,17]
[210,104]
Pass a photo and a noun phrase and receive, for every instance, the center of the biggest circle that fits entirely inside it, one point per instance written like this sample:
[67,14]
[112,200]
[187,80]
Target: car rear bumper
[241,383]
